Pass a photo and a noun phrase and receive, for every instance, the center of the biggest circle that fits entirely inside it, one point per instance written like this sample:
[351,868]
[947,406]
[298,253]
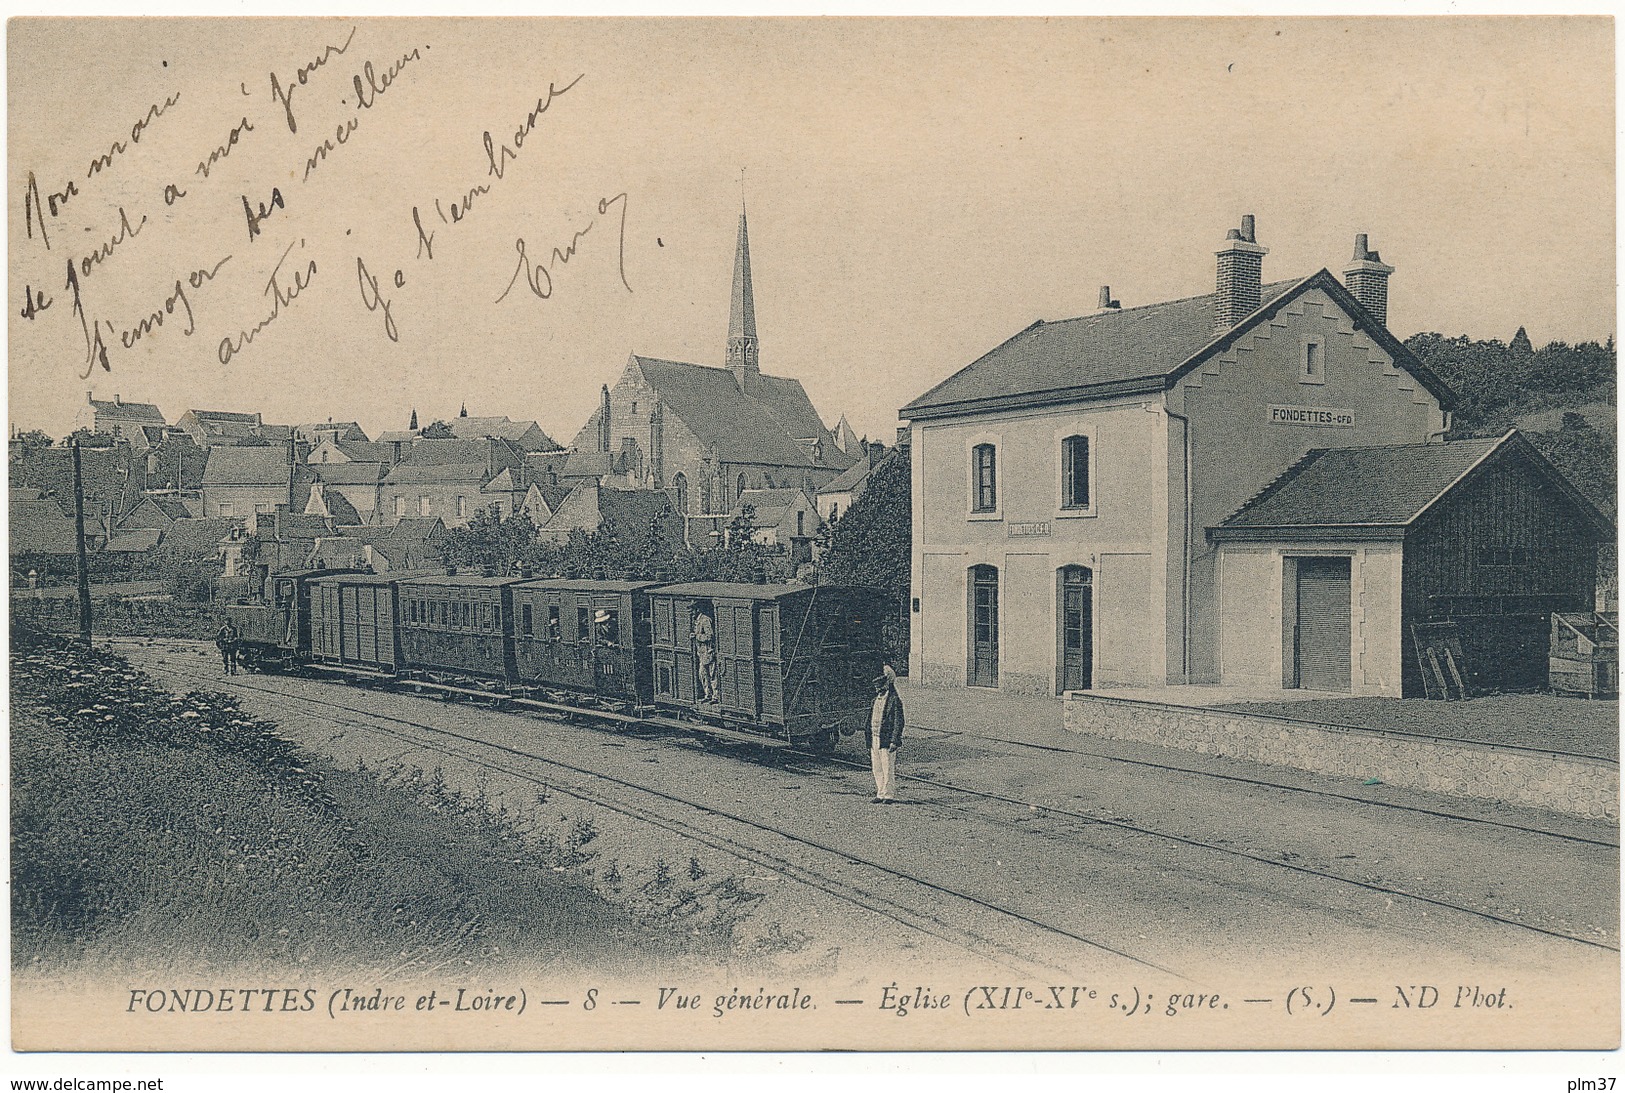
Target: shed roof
[1381,489]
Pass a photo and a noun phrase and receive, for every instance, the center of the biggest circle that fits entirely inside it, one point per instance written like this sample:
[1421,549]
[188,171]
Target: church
[707,435]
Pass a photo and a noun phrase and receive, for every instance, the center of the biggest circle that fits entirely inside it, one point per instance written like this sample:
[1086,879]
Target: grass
[166,831]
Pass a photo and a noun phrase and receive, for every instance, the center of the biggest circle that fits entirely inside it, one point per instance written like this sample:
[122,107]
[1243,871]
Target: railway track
[504,759]
[810,764]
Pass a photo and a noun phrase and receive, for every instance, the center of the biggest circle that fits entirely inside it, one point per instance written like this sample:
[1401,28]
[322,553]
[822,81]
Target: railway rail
[814,764]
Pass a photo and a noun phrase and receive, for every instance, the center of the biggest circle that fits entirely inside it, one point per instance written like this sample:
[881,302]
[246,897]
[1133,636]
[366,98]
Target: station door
[1324,624]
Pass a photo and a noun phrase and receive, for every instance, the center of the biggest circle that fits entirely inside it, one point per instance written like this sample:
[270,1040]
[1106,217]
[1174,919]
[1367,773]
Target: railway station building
[1248,488]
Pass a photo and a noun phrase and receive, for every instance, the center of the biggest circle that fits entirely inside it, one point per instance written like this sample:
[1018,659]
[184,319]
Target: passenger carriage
[797,661]
[588,638]
[457,625]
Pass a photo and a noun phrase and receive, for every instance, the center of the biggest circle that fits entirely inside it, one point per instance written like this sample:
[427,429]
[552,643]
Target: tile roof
[348,474]
[1387,486]
[198,537]
[744,428]
[231,465]
[527,432]
[134,541]
[365,451]
[768,504]
[40,527]
[135,412]
[1105,348]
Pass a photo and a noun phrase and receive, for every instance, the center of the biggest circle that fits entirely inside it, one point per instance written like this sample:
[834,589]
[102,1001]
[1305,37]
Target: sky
[918,191]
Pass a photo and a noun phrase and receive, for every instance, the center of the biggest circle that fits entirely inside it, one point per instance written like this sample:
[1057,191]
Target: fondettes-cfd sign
[1326,416]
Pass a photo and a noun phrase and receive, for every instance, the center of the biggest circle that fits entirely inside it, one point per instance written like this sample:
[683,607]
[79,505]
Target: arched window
[740,491]
[984,479]
[705,495]
[1075,472]
[680,484]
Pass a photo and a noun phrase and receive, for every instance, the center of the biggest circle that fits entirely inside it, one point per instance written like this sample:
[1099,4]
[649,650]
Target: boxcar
[352,621]
[586,637]
[794,660]
[461,625]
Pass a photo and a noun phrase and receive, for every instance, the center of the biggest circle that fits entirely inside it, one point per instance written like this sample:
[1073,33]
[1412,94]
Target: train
[790,662]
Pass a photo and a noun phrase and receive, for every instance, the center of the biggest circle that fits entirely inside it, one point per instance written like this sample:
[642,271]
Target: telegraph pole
[79,544]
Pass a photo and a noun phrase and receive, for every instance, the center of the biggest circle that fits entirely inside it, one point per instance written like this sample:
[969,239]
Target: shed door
[1324,624]
[984,627]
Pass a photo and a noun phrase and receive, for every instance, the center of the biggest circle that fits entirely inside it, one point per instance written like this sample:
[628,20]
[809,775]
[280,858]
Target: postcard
[716,534]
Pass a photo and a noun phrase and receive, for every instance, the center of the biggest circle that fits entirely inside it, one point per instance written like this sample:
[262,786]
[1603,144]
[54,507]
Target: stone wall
[1574,784]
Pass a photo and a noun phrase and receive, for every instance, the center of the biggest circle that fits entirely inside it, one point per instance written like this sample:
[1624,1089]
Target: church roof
[743,428]
[742,305]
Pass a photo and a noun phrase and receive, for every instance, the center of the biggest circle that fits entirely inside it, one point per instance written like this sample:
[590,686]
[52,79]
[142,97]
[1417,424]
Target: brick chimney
[1367,278]
[1241,276]
[1106,301]
[603,420]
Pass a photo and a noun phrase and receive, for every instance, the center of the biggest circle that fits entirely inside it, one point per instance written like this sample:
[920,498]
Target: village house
[209,428]
[243,481]
[136,423]
[644,519]
[705,434]
[1122,484]
[783,517]
[453,480]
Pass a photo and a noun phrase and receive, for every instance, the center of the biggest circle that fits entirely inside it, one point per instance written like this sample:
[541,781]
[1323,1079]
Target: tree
[491,542]
[871,543]
[437,430]
[32,440]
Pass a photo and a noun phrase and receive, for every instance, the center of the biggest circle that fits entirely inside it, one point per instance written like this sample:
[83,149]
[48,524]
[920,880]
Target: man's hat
[880,681]
[602,616]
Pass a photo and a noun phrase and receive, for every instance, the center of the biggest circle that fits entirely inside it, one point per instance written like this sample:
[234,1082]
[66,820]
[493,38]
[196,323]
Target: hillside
[1561,396]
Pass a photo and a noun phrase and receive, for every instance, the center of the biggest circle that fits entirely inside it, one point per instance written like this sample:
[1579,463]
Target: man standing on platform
[885,734]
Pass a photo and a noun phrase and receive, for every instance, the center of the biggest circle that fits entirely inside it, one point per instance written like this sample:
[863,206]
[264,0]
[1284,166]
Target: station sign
[1035,529]
[1320,416]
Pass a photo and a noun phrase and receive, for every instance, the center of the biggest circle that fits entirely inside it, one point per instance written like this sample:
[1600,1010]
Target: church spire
[742,351]
[414,425]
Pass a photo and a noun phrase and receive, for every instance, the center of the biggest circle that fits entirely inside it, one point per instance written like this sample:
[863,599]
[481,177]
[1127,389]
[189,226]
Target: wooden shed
[1375,546]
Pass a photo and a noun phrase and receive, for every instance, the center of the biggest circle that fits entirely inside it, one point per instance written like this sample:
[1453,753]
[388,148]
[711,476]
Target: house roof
[225,417]
[848,479]
[133,541]
[527,432]
[451,461]
[168,508]
[396,436]
[348,430]
[1377,490]
[348,474]
[198,536]
[339,508]
[745,428]
[246,466]
[365,451]
[408,528]
[40,526]
[133,412]
[1134,349]
[590,463]
[769,505]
